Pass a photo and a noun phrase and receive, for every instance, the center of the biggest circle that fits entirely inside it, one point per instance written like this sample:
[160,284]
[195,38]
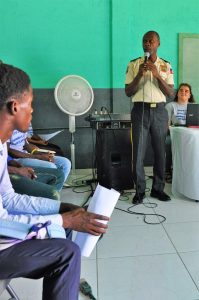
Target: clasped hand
[27,172]
[148,66]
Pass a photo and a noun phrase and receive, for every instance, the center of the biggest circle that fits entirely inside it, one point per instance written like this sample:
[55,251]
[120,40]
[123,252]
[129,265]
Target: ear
[12,107]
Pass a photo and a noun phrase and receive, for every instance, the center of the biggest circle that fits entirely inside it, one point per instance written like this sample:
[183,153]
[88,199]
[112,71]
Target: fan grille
[74,95]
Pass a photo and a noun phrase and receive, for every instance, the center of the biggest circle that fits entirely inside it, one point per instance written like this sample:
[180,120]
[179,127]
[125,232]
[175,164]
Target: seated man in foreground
[57,259]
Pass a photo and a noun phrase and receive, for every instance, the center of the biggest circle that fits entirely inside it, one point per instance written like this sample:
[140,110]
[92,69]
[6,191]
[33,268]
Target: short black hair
[153,32]
[13,82]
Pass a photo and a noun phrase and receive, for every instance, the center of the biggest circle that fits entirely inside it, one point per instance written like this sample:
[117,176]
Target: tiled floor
[136,260]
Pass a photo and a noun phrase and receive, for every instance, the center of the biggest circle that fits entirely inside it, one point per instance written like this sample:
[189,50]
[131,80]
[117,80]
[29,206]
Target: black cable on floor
[129,211]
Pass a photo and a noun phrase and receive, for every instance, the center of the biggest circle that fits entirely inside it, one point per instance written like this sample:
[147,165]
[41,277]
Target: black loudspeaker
[114,158]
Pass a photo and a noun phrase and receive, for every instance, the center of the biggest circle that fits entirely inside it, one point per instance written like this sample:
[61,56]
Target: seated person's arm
[14,163]
[16,153]
[36,139]
[22,171]
[30,147]
[19,154]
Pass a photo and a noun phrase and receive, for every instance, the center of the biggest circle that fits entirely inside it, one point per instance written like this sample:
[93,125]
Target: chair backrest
[3,284]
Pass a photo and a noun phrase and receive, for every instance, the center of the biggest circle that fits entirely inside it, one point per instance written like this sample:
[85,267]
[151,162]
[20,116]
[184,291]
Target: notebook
[192,118]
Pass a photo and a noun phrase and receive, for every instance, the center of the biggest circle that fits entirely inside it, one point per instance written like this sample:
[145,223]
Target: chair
[4,284]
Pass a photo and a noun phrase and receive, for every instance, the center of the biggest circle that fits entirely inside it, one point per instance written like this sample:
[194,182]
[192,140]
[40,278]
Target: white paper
[45,151]
[103,203]
[49,136]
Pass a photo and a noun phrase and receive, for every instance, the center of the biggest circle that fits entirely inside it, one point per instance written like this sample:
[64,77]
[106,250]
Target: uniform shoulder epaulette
[135,59]
[166,61]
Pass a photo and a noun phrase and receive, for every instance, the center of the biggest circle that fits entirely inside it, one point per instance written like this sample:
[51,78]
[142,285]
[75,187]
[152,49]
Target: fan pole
[72,149]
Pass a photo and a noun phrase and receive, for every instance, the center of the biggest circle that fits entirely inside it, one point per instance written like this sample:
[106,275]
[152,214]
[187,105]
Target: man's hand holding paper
[84,221]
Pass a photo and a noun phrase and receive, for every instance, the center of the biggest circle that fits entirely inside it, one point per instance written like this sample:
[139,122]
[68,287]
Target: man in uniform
[149,80]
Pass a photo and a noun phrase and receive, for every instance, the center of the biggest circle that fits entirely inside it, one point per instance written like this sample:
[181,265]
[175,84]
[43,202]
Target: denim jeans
[61,162]
[47,184]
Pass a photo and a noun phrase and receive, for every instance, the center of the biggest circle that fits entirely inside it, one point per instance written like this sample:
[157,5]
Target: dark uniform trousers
[57,260]
[148,119]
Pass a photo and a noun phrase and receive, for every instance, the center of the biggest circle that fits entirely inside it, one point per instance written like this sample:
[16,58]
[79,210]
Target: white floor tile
[134,240]
[179,211]
[191,260]
[158,277]
[26,289]
[184,235]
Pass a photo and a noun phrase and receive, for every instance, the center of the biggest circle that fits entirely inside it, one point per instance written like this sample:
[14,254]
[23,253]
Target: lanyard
[34,230]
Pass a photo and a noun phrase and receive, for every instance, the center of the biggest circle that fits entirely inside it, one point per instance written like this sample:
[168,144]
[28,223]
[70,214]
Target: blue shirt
[176,112]
[18,140]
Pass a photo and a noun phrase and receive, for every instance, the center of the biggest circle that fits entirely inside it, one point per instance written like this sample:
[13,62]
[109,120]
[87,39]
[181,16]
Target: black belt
[149,105]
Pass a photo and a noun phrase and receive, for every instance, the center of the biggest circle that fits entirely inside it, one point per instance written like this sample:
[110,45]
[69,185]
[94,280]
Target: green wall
[53,38]
[132,18]
[91,38]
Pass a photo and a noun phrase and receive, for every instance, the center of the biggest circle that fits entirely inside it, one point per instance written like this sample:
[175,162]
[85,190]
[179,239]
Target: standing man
[149,80]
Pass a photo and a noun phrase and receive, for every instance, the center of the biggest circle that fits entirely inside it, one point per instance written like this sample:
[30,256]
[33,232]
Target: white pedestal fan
[74,96]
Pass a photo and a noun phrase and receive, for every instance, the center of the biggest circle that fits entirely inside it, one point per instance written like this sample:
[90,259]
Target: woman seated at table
[177,110]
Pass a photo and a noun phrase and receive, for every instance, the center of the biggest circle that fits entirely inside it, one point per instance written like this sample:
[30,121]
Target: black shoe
[162,196]
[138,198]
